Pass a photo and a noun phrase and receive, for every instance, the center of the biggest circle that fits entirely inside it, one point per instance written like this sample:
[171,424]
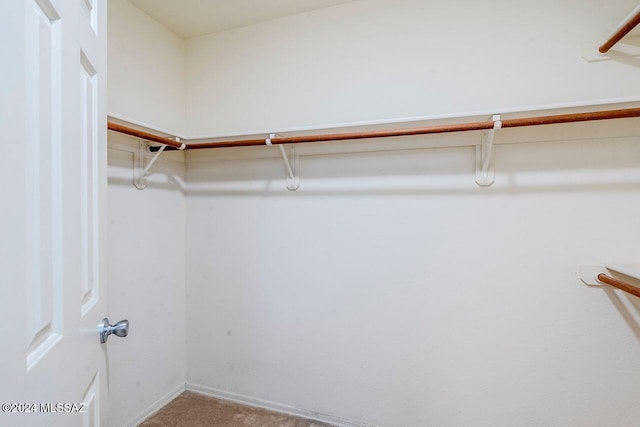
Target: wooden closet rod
[460,127]
[623,29]
[144,135]
[619,284]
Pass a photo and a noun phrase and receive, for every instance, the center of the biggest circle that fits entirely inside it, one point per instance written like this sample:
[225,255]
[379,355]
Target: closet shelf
[484,173]
[456,127]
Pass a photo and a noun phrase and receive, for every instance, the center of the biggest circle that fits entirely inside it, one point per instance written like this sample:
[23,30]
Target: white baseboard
[155,406]
[274,406]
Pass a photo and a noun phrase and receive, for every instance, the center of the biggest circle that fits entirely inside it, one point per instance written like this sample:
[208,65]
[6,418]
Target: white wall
[146,265]
[146,69]
[390,289]
[146,232]
[378,60]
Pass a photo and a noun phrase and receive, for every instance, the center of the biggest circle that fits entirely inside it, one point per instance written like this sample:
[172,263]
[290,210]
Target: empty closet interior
[400,279]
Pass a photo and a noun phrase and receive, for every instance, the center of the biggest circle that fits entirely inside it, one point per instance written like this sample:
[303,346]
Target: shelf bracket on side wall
[596,275]
[589,274]
[485,172]
[291,163]
[142,171]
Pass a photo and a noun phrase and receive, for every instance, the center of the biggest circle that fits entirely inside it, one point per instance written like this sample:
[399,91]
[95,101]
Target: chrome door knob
[120,329]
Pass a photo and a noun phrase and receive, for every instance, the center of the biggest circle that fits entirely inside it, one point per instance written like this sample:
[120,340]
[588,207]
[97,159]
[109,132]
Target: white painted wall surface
[391,290]
[379,59]
[146,69]
[146,264]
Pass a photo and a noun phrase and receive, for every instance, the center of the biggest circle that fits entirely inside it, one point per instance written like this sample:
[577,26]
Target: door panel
[89,191]
[42,181]
[53,215]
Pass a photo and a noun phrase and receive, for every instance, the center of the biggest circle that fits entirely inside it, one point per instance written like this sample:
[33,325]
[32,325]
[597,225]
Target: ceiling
[190,18]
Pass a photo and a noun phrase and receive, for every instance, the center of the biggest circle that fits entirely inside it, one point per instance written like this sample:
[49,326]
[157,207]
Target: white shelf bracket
[141,171]
[589,274]
[291,163]
[485,172]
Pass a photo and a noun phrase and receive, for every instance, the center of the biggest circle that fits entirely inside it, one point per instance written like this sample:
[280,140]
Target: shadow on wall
[634,61]
[549,167]
[628,307]
[606,165]
[633,321]
[167,182]
[167,173]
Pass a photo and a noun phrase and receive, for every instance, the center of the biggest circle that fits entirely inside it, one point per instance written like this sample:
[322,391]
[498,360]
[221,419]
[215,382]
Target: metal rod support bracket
[291,163]
[142,171]
[485,167]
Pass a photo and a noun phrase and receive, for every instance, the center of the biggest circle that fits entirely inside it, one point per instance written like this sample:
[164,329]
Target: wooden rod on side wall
[459,127]
[622,30]
[572,118]
[619,284]
[144,135]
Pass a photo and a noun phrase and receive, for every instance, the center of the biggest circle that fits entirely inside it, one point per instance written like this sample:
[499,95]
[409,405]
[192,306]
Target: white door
[52,174]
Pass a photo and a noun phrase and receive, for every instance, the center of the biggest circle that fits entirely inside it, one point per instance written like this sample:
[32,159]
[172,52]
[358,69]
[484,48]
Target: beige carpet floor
[195,410]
